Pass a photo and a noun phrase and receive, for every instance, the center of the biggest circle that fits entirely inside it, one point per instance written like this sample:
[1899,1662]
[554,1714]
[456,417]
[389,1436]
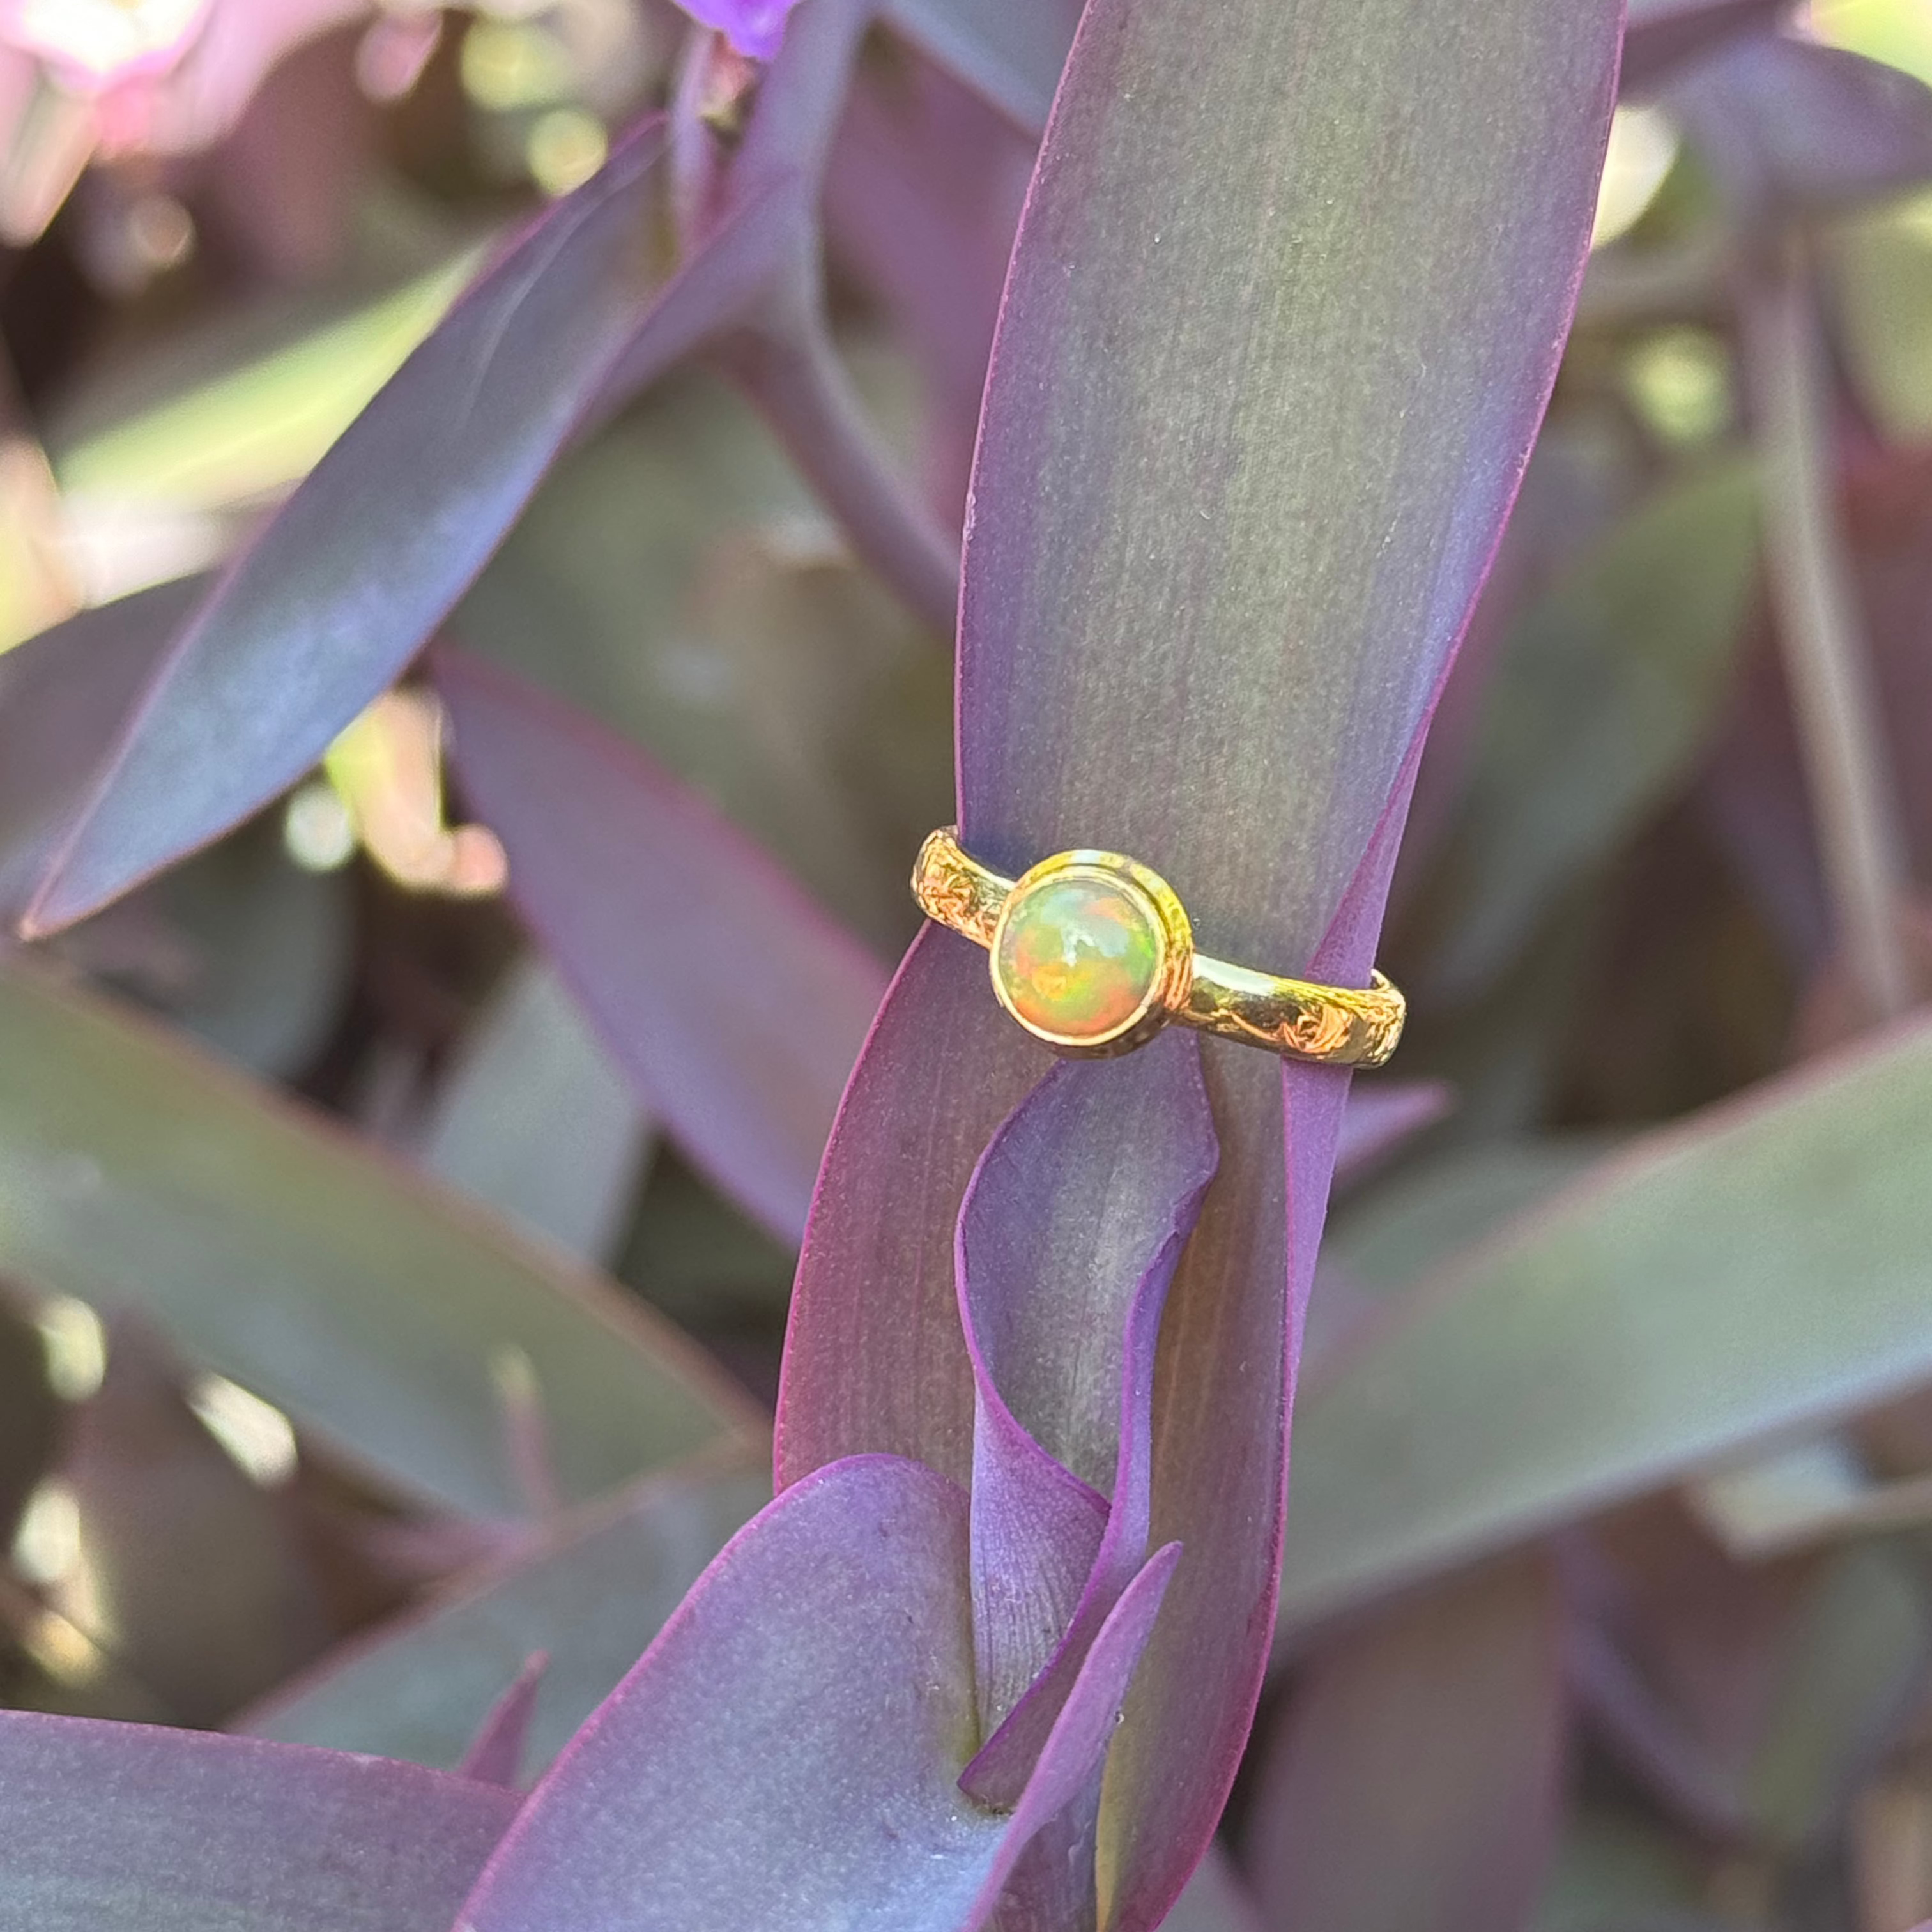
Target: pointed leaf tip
[735,1003]
[819,1679]
[329,604]
[496,1754]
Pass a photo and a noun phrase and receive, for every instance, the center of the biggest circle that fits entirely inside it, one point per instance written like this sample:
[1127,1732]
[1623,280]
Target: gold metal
[1336,1026]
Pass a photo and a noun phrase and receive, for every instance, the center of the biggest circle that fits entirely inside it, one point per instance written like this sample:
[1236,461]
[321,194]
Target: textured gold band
[1163,978]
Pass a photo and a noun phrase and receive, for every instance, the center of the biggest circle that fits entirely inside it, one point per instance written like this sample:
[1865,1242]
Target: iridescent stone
[1077,957]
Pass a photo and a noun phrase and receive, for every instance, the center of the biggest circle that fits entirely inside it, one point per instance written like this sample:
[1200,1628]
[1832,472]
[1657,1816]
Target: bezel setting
[1166,920]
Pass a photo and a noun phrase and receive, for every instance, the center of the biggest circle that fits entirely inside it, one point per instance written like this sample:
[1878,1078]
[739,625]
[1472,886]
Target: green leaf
[1853,1667]
[1614,1870]
[1882,264]
[534,1118]
[271,1248]
[1391,1236]
[674,578]
[1754,1271]
[592,1595]
[270,947]
[234,437]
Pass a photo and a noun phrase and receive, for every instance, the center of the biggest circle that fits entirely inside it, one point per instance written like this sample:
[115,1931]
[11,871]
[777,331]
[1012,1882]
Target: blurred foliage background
[360,1333]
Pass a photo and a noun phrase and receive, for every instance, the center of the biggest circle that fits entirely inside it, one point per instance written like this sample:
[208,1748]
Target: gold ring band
[1092,953]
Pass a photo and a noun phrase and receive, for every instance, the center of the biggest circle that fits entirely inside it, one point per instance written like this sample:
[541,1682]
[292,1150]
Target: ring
[1093,952]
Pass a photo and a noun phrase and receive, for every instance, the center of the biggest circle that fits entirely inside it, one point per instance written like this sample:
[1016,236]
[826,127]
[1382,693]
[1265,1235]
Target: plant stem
[1648,1738]
[799,103]
[792,373]
[1826,661]
[781,352]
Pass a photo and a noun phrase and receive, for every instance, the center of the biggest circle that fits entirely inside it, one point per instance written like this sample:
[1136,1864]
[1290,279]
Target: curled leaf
[1356,348]
[819,1679]
[1068,1238]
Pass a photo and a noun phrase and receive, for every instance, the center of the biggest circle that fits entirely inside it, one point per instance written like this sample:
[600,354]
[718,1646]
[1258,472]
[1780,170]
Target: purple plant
[609,631]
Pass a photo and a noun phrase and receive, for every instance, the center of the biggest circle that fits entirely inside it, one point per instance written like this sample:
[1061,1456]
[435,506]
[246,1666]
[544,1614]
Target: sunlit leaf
[269,1248]
[1897,30]
[1754,1271]
[257,427]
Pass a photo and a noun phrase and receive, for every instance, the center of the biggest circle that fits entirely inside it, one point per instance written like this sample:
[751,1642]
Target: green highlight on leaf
[255,429]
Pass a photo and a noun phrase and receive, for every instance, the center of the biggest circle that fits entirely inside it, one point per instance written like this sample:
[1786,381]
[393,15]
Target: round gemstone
[1077,957]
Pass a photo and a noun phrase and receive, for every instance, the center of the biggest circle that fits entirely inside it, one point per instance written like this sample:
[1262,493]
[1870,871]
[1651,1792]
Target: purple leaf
[735,1004]
[1415,1779]
[922,197]
[64,698]
[941,1068]
[1490,1409]
[1382,1114]
[128,1828]
[496,1755]
[819,1682]
[754,27]
[320,613]
[1355,348]
[1792,127]
[1757,793]
[1663,34]
[1068,1238]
